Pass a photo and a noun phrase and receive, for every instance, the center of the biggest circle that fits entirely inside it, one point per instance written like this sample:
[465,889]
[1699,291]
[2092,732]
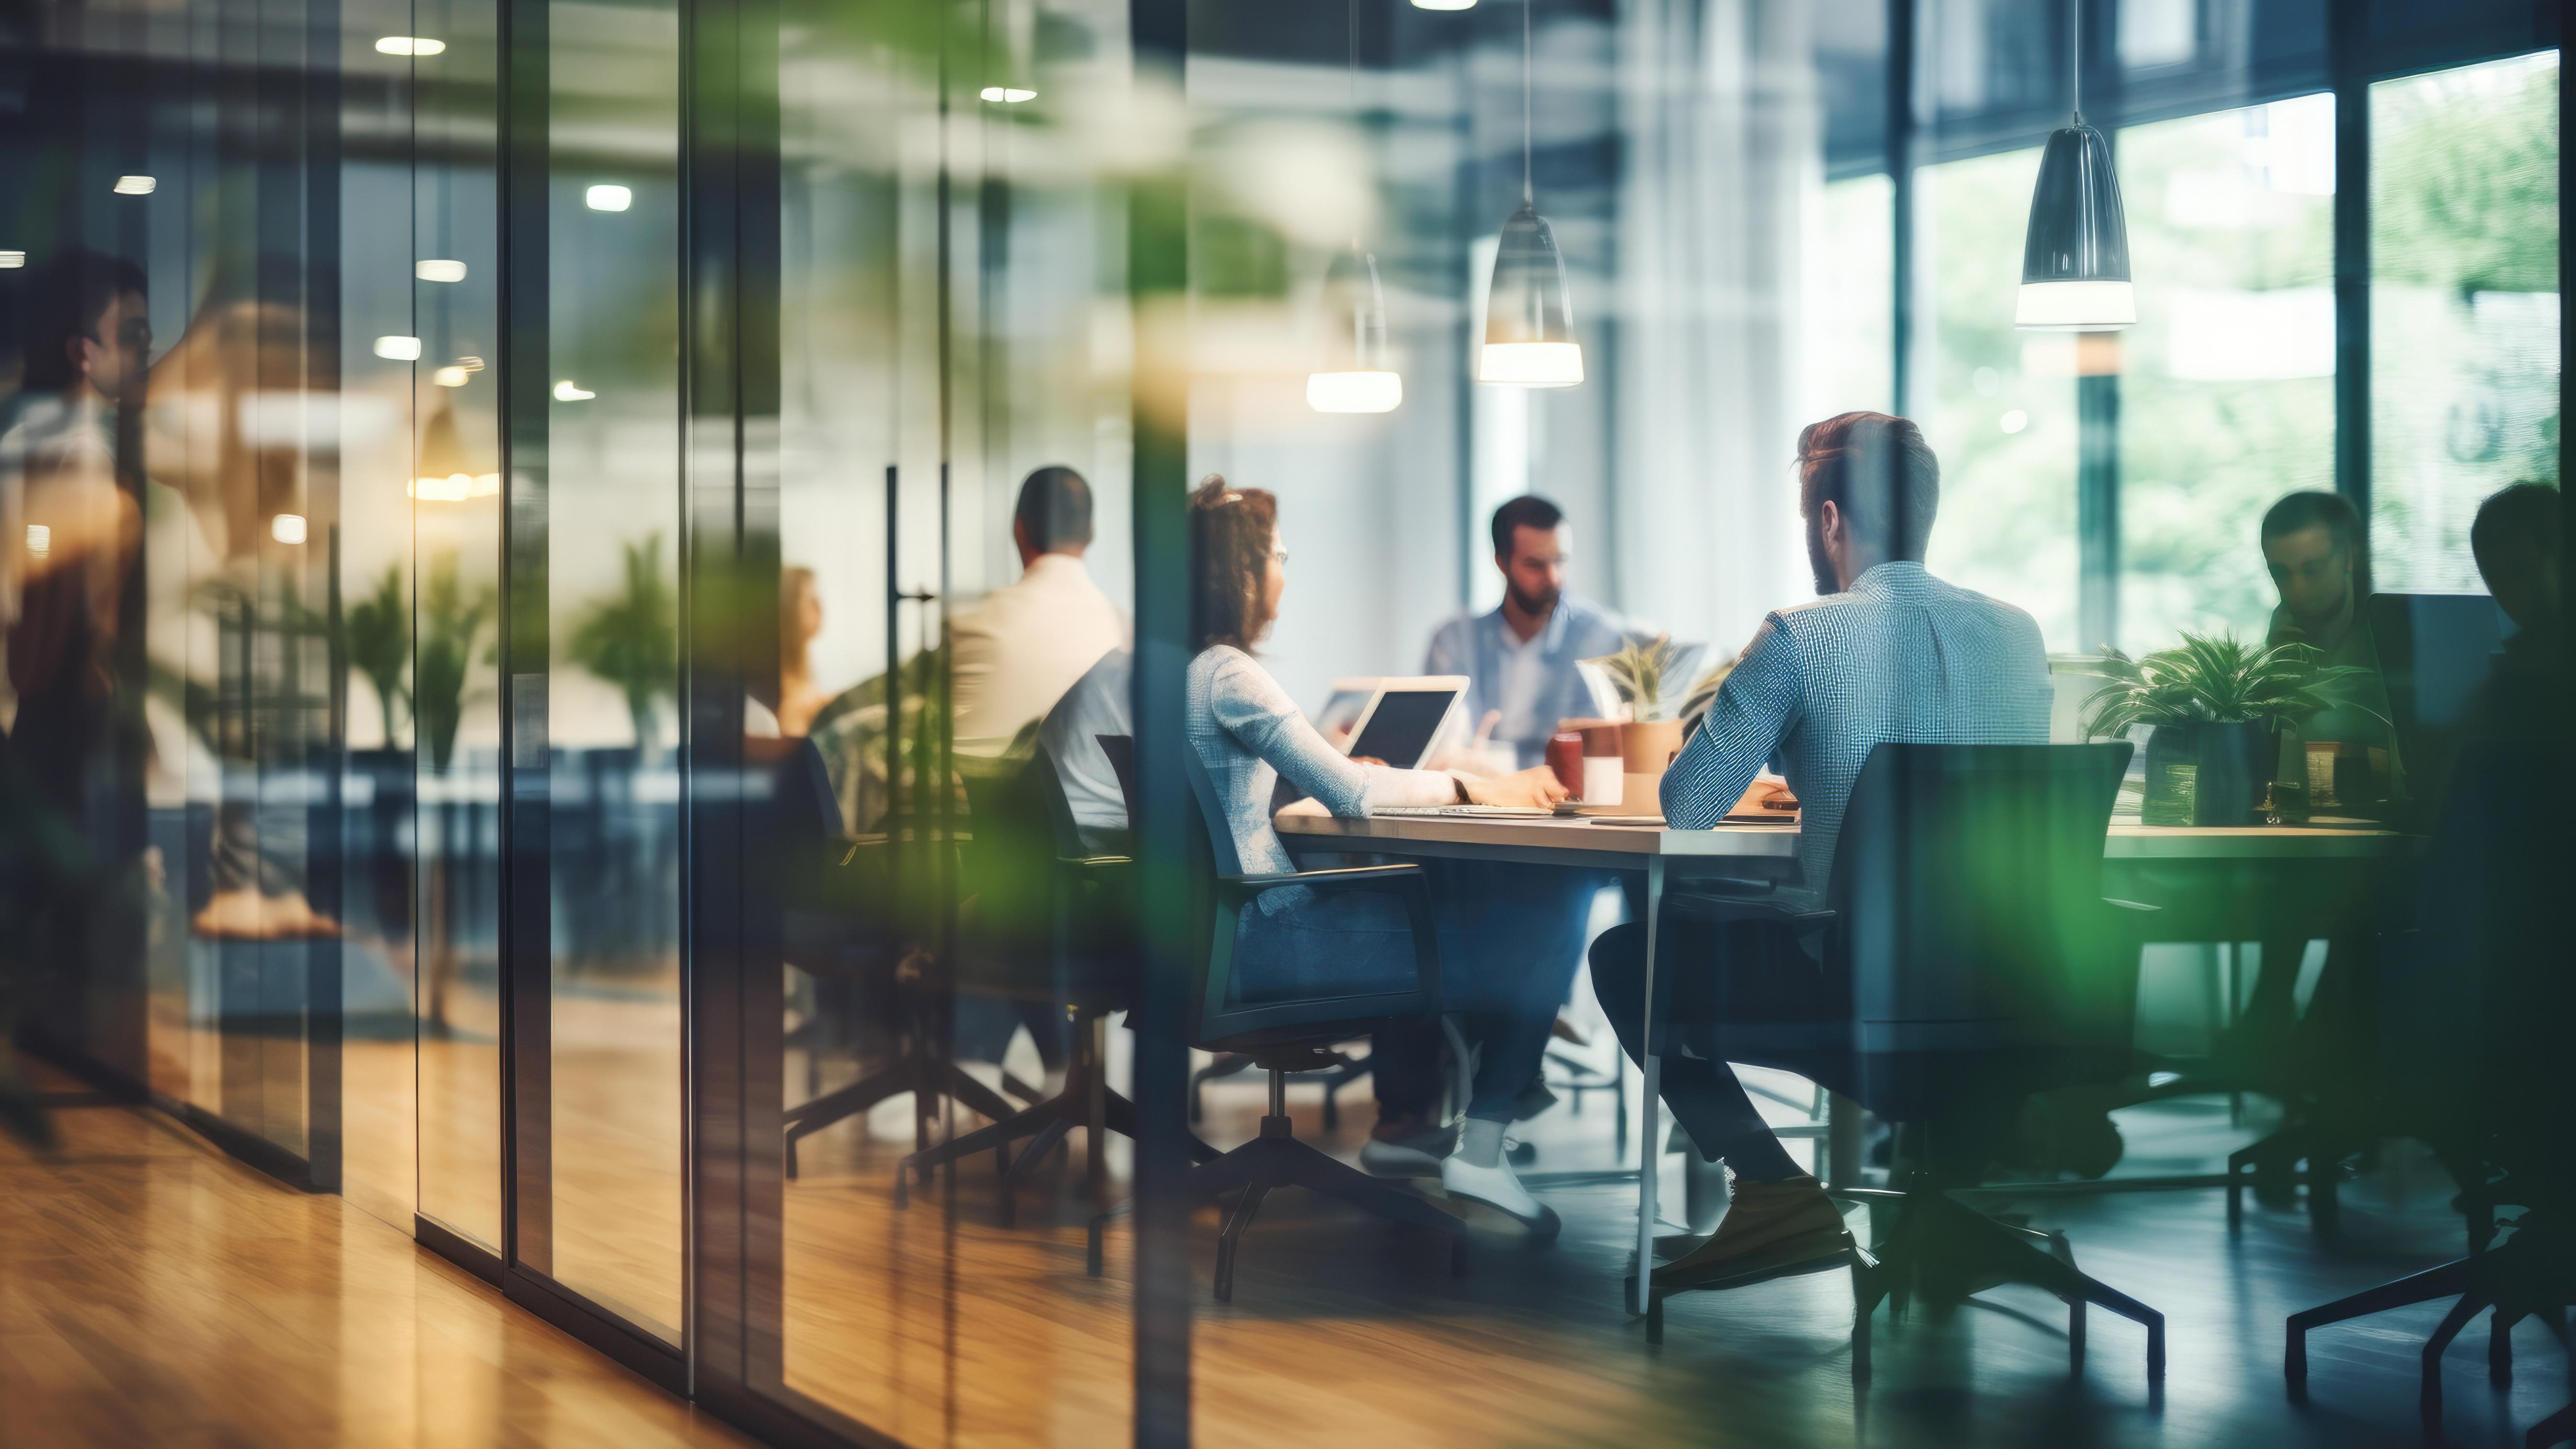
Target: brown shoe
[1768,1225]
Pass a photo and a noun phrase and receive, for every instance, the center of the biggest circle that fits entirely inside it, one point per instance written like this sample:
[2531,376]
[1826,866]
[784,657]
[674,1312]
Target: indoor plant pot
[2207,773]
[2216,705]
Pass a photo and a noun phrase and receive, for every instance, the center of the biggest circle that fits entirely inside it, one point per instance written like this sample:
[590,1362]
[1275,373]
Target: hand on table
[1532,787]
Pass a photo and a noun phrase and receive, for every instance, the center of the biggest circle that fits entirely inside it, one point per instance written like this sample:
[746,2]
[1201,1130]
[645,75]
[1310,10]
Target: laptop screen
[1401,728]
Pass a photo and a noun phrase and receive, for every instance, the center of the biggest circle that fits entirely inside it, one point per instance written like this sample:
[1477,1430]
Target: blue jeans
[1511,937]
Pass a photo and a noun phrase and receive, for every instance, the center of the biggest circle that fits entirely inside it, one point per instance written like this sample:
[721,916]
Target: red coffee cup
[1565,758]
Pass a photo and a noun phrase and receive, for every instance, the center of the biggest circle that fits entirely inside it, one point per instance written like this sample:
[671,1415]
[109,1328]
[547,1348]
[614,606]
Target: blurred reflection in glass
[2002,401]
[613,543]
[2464,309]
[455,487]
[2230,372]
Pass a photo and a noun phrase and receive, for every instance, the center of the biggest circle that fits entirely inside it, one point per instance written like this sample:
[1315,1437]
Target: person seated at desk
[1016,653]
[2314,549]
[1889,654]
[1503,960]
[1519,659]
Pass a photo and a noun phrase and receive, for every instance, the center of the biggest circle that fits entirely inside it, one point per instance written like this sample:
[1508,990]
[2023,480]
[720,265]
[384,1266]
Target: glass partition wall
[591,487]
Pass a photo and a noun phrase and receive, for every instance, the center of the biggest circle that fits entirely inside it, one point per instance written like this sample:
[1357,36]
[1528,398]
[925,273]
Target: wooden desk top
[1632,845]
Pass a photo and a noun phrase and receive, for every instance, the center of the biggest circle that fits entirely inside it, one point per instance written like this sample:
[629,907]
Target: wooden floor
[152,1291]
[155,1292]
[938,1325]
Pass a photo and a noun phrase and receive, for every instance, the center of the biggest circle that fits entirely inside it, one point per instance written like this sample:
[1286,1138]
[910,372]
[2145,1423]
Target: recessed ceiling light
[398,349]
[409,45]
[608,198]
[450,376]
[287,528]
[135,185]
[438,269]
[1008,95]
[1444,4]
[565,391]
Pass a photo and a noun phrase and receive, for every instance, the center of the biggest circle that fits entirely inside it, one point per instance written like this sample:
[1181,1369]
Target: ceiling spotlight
[608,198]
[398,349]
[1007,95]
[409,45]
[1444,4]
[287,528]
[449,377]
[135,185]
[437,269]
[565,391]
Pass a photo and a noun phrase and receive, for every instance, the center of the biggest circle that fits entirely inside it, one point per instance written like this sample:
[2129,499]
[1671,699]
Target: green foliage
[631,638]
[2469,177]
[379,644]
[2215,680]
[452,618]
[1640,672]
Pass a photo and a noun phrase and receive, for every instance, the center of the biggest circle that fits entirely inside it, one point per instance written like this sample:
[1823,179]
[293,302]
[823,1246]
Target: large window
[2227,381]
[2464,308]
[1998,404]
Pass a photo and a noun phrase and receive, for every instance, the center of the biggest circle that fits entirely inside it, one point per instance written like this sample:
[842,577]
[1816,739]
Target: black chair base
[1277,1159]
[2533,1275]
[1944,1250]
[1343,1070]
[1048,1123]
[1852,1256]
[921,1076]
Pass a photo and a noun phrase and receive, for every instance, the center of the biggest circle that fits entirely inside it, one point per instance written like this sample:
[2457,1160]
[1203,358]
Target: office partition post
[1158,278]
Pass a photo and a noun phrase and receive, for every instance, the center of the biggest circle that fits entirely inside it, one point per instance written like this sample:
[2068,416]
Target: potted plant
[1644,674]
[2215,703]
[631,640]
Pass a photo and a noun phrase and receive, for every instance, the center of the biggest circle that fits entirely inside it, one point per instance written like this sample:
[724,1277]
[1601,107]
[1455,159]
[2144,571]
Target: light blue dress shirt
[1901,657]
[1483,647]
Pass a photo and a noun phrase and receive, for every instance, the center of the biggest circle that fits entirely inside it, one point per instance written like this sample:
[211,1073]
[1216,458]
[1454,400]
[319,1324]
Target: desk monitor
[2436,653]
[1403,718]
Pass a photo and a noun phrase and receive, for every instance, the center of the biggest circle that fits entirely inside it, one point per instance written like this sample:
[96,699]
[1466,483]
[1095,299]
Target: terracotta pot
[1649,745]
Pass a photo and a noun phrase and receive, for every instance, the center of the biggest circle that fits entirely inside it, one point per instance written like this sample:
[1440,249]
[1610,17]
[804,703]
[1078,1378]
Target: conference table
[2238,883]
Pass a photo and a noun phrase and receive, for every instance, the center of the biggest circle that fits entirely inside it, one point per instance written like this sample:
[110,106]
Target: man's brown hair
[1878,473]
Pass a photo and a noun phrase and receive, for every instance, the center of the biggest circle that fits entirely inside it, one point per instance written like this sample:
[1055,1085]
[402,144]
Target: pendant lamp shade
[2075,260]
[1529,314]
[1355,372]
[446,474]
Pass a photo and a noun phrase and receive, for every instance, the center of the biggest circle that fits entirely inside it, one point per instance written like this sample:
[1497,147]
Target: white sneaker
[1499,1188]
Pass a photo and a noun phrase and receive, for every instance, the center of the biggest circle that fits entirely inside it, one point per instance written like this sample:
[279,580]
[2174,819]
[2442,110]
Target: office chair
[1083,958]
[2479,1006]
[1968,960]
[843,922]
[1291,1034]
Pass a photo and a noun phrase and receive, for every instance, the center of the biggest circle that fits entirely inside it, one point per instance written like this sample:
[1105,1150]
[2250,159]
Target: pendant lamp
[1529,315]
[1355,373]
[2075,258]
[446,475]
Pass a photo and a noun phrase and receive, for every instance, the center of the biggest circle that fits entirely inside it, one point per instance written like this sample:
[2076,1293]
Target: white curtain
[1720,120]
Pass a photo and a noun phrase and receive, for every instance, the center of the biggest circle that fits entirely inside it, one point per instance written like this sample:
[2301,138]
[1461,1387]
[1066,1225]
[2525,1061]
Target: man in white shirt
[1015,654]
[1096,705]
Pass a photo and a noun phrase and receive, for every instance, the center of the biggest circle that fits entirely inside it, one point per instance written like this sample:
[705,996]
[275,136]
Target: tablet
[1400,725]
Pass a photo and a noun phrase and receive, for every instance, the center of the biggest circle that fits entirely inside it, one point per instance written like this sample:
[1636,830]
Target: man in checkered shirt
[1888,654]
